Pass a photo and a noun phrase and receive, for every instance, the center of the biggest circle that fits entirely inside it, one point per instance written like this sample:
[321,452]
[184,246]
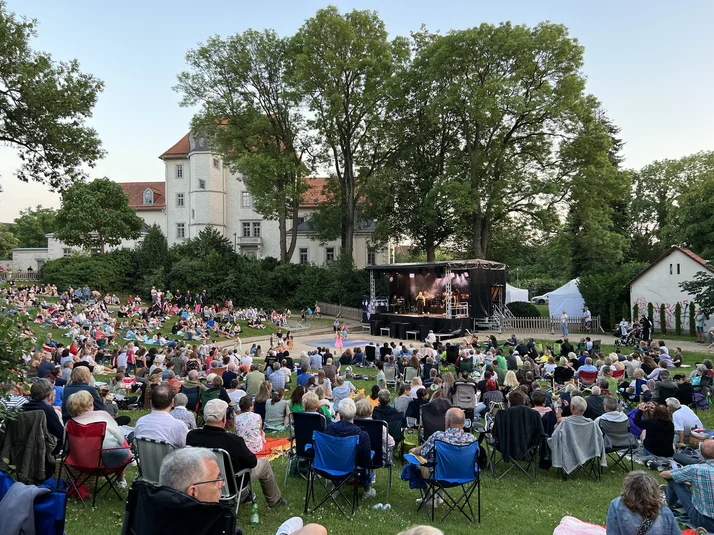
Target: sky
[650,63]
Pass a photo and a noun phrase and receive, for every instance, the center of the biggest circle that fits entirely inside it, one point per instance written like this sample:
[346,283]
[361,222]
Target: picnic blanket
[273,447]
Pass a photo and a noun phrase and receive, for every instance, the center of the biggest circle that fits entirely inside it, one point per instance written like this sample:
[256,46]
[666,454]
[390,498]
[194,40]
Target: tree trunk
[429,245]
[477,229]
[485,235]
[294,231]
[348,228]
[283,235]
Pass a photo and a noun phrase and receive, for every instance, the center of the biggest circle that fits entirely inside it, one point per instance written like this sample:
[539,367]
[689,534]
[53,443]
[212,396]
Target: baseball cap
[215,410]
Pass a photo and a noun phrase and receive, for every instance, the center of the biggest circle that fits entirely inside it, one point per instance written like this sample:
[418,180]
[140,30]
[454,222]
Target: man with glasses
[193,471]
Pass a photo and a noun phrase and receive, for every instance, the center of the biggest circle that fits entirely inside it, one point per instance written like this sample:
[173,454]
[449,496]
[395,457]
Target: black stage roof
[452,264]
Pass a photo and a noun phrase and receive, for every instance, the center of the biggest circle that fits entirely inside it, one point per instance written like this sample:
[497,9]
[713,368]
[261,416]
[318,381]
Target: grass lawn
[514,505]
[543,311]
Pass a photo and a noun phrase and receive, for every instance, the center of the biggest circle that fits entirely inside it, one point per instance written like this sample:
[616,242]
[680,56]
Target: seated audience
[79,380]
[159,424]
[683,418]
[640,509]
[42,396]
[180,412]
[249,425]
[656,421]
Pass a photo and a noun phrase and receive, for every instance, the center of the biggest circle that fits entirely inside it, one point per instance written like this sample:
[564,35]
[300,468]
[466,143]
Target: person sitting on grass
[311,403]
[249,425]
[640,509]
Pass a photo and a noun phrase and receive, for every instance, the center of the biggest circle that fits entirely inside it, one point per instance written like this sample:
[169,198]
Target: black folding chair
[501,443]
[302,427]
[433,417]
[378,430]
[619,442]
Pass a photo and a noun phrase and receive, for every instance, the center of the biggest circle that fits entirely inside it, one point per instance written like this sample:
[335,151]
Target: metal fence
[349,313]
[20,275]
[552,325]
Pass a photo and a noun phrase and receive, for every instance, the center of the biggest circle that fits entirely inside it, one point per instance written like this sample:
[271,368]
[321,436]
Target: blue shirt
[622,521]
[303,378]
[701,476]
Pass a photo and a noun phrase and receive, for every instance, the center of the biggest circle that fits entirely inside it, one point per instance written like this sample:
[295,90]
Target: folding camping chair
[377,431]
[432,416]
[50,509]
[619,442]
[302,426]
[390,372]
[149,456]
[238,485]
[587,378]
[335,461]
[83,454]
[525,419]
[454,467]
[409,374]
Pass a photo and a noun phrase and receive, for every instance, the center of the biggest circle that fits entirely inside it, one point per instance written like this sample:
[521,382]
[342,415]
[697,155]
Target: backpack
[700,402]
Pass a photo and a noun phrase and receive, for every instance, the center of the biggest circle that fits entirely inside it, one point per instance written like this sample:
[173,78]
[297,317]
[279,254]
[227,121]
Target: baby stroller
[631,339]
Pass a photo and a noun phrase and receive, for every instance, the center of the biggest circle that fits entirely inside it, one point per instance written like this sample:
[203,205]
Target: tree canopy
[44,106]
[33,224]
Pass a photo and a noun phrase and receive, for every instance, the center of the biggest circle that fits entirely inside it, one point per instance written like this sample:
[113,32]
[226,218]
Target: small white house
[659,284]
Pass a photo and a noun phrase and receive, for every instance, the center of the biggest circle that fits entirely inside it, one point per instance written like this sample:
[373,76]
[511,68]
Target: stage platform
[399,325]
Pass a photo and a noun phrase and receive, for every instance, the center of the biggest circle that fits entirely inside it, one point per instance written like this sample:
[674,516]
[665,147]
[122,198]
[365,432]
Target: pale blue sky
[651,63]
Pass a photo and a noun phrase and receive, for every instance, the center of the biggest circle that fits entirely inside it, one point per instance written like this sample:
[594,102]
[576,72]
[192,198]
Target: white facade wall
[152,217]
[34,258]
[176,214]
[660,285]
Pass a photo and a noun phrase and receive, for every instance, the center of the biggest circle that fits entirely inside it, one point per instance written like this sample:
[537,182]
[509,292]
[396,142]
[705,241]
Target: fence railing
[20,275]
[548,325]
[349,313]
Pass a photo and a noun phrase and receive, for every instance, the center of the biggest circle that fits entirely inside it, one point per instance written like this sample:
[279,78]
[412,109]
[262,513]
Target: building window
[193,214]
[250,252]
[179,199]
[256,229]
[66,251]
[329,255]
[371,257]
[201,184]
[670,269]
[303,256]
[678,270]
[180,230]
[216,163]
[246,230]
[148,197]
[246,199]
[94,251]
[179,171]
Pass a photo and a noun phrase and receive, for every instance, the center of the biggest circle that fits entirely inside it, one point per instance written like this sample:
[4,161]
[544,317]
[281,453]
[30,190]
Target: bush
[635,312]
[521,309]
[662,319]
[678,319]
[111,272]
[692,323]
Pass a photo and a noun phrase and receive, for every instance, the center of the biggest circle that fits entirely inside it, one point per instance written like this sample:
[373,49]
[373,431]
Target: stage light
[391,279]
[411,275]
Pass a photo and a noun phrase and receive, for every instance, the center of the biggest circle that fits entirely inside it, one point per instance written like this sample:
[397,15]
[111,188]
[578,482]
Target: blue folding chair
[302,426]
[335,462]
[50,508]
[454,467]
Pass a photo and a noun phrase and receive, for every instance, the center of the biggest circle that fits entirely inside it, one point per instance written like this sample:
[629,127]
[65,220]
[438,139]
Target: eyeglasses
[219,480]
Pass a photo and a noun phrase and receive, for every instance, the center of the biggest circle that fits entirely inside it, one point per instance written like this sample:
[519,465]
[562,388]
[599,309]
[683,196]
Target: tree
[662,319]
[678,318]
[635,312]
[151,258]
[692,322]
[8,241]
[515,93]
[343,65]
[650,316]
[44,106]
[255,119]
[13,346]
[625,311]
[702,288]
[408,197]
[32,226]
[96,214]
[603,292]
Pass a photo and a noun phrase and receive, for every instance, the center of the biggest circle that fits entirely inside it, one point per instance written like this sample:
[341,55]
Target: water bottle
[254,517]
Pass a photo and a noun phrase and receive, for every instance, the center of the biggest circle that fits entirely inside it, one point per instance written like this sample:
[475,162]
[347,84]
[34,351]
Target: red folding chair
[618,374]
[587,378]
[83,455]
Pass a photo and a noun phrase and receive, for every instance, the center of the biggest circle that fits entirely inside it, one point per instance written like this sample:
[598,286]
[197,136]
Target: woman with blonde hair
[509,383]
[448,381]
[325,383]
[640,509]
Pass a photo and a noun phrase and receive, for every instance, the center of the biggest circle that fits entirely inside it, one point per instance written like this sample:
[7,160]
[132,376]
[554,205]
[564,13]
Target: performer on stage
[421,302]
[338,342]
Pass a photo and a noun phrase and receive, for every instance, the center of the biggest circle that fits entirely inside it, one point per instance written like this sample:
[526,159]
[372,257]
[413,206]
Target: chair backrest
[465,395]
[390,372]
[596,345]
[377,431]
[208,395]
[410,373]
[466,364]
[150,454]
[193,395]
[304,424]
[84,444]
[456,465]
[452,353]
[549,419]
[334,456]
[617,434]
[370,353]
[151,509]
[49,509]
[666,392]
[229,491]
[218,371]
[433,417]
[562,375]
[587,378]
[618,374]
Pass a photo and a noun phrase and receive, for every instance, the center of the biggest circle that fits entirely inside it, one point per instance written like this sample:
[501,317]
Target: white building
[659,284]
[202,192]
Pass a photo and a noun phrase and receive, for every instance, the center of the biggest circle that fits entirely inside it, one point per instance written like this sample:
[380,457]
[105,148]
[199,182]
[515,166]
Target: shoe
[663,493]
[371,493]
[291,525]
[282,502]
[372,477]
[121,484]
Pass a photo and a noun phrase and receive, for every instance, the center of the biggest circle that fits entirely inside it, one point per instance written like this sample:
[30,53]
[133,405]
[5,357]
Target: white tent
[515,294]
[567,298]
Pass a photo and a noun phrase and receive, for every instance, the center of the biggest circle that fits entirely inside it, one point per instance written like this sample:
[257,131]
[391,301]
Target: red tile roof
[316,193]
[135,192]
[179,150]
[694,256]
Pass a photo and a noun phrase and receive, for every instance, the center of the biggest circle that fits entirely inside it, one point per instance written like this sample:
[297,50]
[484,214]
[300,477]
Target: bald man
[692,487]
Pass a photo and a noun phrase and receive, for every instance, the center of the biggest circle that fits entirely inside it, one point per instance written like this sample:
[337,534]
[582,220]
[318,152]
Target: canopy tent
[515,294]
[567,298]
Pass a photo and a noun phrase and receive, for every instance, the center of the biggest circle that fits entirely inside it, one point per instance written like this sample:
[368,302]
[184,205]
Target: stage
[400,324]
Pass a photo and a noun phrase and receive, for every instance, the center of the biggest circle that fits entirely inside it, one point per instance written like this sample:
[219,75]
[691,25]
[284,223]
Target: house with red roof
[659,284]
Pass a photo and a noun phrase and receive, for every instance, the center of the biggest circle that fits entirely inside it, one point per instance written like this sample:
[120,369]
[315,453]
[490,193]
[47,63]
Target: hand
[642,407]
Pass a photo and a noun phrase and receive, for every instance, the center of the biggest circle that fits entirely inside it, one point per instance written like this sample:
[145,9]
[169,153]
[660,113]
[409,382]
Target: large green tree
[32,226]
[254,118]
[44,106]
[96,214]
[408,196]
[8,241]
[343,65]
[692,223]
[515,93]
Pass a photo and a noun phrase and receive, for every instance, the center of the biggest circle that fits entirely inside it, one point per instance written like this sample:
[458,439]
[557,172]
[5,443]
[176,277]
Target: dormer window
[148,197]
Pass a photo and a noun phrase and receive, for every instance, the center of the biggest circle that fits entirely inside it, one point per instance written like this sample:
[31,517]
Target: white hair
[578,404]
[673,403]
[184,467]
[347,409]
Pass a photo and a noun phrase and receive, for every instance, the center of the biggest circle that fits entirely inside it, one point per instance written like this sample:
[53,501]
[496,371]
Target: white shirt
[247,360]
[685,419]
[160,425]
[431,338]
